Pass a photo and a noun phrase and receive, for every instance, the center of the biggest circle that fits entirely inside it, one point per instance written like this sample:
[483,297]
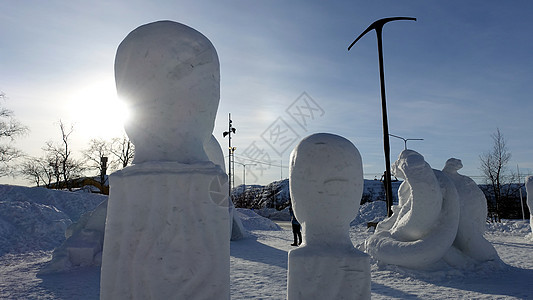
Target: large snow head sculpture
[169,75]
[326,184]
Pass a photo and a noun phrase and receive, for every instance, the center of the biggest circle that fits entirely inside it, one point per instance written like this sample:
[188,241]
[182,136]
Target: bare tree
[494,168]
[39,170]
[10,128]
[60,158]
[123,150]
[30,169]
[96,154]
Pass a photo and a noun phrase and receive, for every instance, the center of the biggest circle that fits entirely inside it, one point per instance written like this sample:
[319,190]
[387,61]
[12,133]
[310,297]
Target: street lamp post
[378,27]
[244,173]
[405,140]
[244,178]
[231,130]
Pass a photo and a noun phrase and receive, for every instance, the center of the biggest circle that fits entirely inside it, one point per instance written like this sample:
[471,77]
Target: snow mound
[510,227]
[370,212]
[274,214]
[252,221]
[26,226]
[72,204]
[37,218]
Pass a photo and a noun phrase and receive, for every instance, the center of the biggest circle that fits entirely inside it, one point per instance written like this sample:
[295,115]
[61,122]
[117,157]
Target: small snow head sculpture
[326,184]
[168,74]
[453,165]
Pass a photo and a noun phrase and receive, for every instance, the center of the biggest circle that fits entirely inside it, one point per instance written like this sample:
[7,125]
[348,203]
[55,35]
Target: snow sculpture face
[169,75]
[326,180]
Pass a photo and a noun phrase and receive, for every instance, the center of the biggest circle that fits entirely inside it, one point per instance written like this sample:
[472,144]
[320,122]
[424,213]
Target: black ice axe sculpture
[378,26]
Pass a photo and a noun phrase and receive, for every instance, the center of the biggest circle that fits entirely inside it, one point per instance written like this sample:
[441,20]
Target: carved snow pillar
[167,233]
[326,184]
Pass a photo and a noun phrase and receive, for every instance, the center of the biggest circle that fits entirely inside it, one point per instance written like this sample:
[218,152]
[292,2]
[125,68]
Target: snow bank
[510,227]
[26,226]
[370,212]
[274,214]
[252,221]
[37,218]
[73,204]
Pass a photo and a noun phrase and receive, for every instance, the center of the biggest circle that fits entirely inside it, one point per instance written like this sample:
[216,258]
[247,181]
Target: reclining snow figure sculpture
[424,224]
[326,184]
[469,247]
[167,230]
[529,191]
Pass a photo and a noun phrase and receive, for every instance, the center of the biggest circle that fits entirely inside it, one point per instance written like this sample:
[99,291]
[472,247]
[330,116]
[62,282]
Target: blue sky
[454,76]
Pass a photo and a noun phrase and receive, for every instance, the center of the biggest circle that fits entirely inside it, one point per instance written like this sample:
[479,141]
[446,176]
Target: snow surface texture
[169,75]
[36,218]
[529,191]
[454,233]
[168,227]
[326,184]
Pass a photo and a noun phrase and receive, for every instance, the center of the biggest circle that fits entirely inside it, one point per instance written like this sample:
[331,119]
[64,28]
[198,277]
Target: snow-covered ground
[259,267]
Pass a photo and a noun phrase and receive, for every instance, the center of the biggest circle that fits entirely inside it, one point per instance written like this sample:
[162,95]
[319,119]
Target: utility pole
[231,130]
[103,171]
[378,27]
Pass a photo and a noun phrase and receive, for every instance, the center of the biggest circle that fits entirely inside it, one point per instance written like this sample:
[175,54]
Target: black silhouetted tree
[98,150]
[496,174]
[38,170]
[59,156]
[10,128]
[123,151]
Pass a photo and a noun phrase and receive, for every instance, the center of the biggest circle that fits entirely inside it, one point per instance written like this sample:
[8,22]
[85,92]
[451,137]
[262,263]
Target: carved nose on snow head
[169,75]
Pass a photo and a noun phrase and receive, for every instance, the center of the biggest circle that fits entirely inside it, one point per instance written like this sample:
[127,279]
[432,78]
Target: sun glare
[97,112]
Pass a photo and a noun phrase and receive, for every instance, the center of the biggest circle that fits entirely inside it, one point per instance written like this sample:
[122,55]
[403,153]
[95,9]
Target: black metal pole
[229,156]
[386,143]
[378,26]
